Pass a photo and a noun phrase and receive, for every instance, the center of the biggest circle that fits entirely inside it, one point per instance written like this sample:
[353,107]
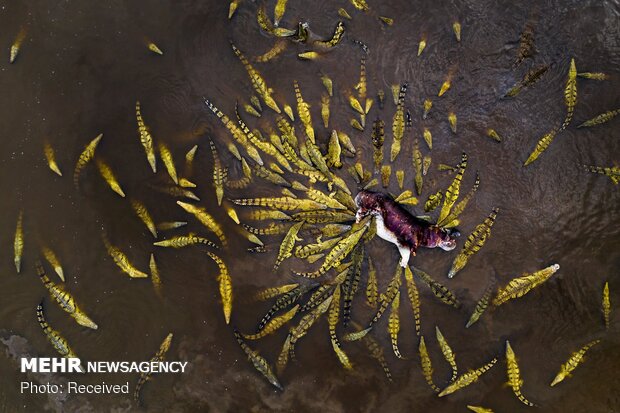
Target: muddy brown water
[83,66]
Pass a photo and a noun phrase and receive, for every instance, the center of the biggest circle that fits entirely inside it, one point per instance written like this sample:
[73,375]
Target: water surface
[83,66]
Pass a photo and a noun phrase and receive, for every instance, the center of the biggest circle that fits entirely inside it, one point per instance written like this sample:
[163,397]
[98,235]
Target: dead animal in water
[396,225]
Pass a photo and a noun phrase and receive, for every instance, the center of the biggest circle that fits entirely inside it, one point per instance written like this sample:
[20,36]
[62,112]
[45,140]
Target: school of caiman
[345,206]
